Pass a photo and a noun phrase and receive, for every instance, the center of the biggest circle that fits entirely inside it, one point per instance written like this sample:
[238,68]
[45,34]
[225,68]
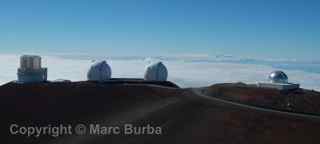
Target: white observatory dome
[278,77]
[156,72]
[100,71]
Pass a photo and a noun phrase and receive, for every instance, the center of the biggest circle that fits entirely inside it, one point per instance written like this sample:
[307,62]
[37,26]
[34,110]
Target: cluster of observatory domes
[101,71]
[31,71]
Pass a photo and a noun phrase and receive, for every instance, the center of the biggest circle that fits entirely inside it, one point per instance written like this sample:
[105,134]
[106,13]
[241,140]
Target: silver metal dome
[278,77]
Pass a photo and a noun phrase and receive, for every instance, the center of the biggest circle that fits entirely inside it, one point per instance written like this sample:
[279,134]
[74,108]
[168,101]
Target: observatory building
[156,72]
[278,80]
[100,71]
[278,77]
[30,70]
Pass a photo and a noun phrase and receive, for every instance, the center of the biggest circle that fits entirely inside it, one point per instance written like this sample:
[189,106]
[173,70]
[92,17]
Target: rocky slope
[299,100]
[184,115]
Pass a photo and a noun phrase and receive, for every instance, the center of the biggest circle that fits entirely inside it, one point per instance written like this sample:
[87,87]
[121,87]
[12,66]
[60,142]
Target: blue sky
[248,28]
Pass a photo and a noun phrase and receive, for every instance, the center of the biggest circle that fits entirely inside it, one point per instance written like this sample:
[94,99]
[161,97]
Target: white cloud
[185,74]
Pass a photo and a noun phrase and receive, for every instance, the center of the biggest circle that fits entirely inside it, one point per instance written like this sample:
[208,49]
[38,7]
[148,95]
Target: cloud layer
[184,73]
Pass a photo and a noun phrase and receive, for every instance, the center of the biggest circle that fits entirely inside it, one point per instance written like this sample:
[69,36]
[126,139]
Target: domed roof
[278,77]
[156,72]
[100,71]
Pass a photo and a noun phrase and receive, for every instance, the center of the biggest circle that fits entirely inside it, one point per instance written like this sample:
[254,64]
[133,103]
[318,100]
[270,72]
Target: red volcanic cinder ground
[185,115]
[299,100]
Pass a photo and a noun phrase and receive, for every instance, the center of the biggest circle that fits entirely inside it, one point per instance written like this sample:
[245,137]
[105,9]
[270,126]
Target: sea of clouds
[186,72]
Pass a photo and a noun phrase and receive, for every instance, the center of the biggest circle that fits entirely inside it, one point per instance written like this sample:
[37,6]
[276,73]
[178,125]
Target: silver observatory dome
[278,77]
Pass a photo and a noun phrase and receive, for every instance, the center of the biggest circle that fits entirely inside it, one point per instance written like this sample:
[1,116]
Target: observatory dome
[30,70]
[99,71]
[156,72]
[278,77]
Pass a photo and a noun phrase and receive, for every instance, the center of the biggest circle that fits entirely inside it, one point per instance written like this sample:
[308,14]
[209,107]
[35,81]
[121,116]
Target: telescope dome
[100,71]
[278,77]
[156,72]
[30,70]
